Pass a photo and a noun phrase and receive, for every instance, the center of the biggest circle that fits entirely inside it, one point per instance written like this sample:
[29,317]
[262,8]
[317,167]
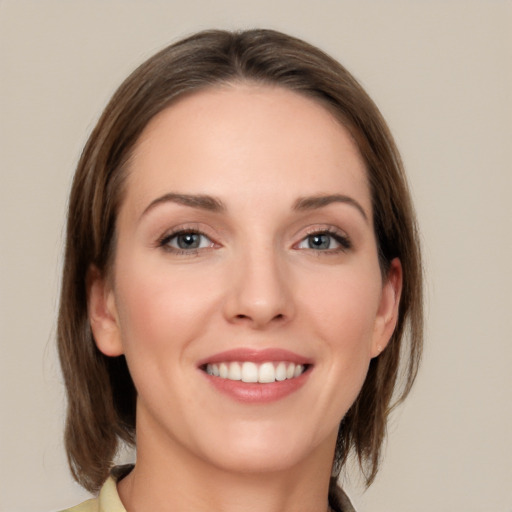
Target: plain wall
[440,72]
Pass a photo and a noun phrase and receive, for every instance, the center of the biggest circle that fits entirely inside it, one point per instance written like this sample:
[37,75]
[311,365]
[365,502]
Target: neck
[175,480]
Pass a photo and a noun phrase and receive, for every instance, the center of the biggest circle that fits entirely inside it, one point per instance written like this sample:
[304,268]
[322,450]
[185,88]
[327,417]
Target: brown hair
[100,392]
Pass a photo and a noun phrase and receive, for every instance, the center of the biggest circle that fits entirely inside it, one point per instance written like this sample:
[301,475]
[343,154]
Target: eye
[186,241]
[325,241]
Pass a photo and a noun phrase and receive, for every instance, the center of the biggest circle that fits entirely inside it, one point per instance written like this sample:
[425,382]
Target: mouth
[265,372]
[257,376]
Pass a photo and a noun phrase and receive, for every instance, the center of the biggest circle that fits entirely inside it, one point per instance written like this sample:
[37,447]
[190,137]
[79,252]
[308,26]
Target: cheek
[162,312]
[344,318]
[346,309]
[161,308]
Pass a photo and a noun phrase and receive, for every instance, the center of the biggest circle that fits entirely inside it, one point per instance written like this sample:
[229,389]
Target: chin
[275,450]
[258,461]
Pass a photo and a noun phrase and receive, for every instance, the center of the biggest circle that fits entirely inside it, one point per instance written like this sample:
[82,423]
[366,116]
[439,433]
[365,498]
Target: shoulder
[87,506]
[107,501]
[338,500]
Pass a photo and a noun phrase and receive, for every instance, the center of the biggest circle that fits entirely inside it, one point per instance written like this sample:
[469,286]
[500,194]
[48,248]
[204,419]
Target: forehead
[254,138]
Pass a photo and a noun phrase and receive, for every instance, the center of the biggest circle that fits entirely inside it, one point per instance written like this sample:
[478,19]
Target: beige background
[441,73]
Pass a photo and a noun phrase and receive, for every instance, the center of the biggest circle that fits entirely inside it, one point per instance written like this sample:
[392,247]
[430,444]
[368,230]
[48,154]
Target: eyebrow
[320,201]
[212,204]
[203,202]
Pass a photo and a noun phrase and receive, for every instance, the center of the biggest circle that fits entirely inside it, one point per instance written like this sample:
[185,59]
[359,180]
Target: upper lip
[256,356]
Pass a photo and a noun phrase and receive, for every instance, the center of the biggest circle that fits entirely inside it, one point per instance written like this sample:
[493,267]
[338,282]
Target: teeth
[223,370]
[251,372]
[235,371]
[266,373]
[281,371]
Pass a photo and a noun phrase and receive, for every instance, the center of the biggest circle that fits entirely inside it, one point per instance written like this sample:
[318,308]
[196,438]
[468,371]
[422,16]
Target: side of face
[245,237]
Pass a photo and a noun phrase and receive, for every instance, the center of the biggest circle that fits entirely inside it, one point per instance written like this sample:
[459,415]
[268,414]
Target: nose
[259,292]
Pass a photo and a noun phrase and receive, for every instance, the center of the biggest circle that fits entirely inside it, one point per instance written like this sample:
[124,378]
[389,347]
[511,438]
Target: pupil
[188,241]
[319,242]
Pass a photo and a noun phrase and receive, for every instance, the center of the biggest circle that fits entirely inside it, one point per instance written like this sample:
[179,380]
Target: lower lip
[255,392]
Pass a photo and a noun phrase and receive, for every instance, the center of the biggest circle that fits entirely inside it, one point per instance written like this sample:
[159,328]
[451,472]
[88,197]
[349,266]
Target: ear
[102,311]
[387,315]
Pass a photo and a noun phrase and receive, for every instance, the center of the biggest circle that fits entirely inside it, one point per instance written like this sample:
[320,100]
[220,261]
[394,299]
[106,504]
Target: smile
[251,372]
[257,376]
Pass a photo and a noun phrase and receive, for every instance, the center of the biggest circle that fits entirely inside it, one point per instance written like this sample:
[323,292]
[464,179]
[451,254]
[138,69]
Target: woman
[241,265]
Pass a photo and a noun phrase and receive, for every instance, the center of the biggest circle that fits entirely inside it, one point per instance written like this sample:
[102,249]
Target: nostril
[241,316]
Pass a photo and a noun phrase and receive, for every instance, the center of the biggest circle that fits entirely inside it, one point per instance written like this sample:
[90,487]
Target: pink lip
[256,356]
[256,393]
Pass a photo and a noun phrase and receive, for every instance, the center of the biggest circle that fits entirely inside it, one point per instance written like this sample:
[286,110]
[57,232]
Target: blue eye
[325,241]
[186,241]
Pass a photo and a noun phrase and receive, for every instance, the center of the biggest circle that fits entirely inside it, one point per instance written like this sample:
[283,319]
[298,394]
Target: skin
[255,282]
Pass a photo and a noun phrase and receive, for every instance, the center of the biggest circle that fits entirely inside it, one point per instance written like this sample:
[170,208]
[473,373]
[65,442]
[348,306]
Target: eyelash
[165,241]
[343,241]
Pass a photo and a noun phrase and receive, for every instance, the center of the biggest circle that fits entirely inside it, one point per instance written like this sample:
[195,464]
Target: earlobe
[387,315]
[102,312]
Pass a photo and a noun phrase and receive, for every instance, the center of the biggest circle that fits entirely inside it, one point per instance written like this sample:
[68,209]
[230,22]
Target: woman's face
[246,291]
